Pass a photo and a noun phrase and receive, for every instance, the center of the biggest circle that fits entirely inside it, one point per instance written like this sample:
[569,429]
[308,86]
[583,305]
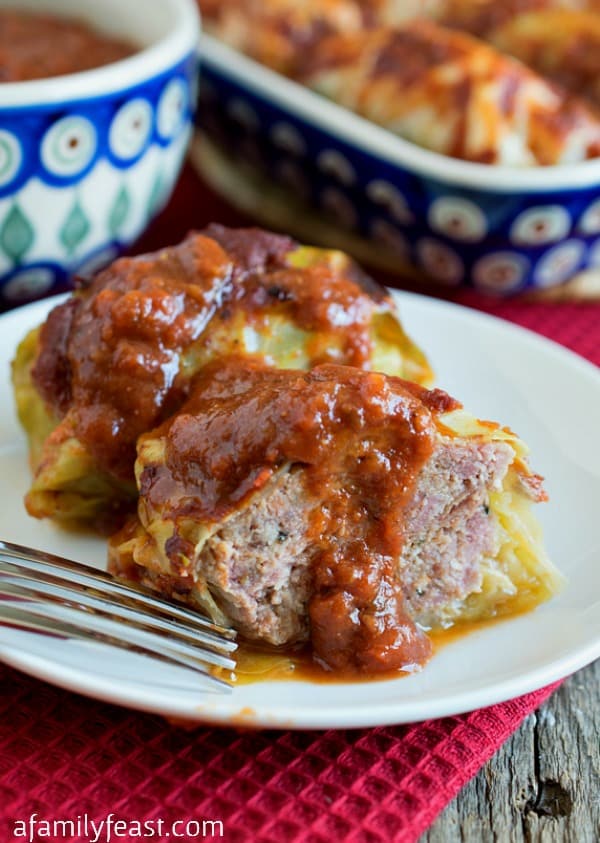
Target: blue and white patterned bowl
[87,160]
[499,229]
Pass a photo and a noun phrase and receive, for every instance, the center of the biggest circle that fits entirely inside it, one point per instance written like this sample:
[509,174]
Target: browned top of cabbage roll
[449,92]
[278,32]
[481,17]
[562,45]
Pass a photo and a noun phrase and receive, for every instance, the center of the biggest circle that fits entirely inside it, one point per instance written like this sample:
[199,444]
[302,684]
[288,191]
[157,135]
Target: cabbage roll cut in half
[451,93]
[118,357]
[346,508]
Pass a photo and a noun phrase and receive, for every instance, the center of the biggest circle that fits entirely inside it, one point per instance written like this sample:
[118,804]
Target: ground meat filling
[259,563]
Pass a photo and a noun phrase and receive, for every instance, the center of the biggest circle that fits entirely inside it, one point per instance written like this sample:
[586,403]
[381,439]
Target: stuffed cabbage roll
[119,356]
[562,45]
[452,93]
[346,508]
[278,32]
[482,17]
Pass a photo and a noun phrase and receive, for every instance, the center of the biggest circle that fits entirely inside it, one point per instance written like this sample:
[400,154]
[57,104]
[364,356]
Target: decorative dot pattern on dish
[389,192]
[500,272]
[559,264]
[104,168]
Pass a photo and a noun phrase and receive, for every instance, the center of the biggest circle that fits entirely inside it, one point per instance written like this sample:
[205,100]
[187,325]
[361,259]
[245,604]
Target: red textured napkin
[66,758]
[63,757]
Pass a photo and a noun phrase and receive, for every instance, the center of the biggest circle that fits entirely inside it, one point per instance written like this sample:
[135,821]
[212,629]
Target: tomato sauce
[117,357]
[360,439]
[39,46]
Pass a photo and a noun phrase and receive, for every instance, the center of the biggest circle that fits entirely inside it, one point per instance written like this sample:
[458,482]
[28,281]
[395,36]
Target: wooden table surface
[544,784]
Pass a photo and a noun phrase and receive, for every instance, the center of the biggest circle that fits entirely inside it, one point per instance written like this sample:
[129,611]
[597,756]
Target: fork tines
[41,592]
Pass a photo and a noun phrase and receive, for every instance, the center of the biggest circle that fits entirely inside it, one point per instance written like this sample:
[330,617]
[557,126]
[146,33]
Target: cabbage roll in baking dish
[346,508]
[449,92]
[562,45]
[481,17]
[278,32]
[118,357]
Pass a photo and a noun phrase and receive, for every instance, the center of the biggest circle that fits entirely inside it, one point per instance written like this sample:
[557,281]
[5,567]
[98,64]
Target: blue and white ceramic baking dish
[495,228]
[86,160]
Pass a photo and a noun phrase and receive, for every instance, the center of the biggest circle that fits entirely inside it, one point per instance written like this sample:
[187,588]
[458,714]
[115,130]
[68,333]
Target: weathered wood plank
[543,786]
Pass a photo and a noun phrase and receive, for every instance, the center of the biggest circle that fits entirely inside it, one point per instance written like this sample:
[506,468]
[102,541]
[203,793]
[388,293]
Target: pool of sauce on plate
[39,46]
[261,664]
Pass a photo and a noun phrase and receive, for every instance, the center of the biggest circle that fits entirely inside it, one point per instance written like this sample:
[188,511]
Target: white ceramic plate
[550,396]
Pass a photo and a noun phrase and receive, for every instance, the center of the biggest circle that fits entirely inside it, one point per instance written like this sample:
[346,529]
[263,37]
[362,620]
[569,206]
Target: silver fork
[43,593]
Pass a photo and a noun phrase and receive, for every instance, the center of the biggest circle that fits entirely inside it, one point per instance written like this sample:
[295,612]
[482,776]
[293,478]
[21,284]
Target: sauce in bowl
[39,46]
